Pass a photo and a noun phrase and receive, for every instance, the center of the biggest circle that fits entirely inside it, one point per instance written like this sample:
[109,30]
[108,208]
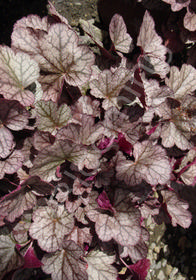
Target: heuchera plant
[92,142]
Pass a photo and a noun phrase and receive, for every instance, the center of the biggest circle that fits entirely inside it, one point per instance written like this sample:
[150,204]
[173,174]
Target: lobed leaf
[87,133]
[177,209]
[123,226]
[50,117]
[116,122]
[17,73]
[155,95]
[20,230]
[171,134]
[50,225]
[9,257]
[154,50]
[138,251]
[85,106]
[100,266]
[151,164]
[53,156]
[189,176]
[41,139]
[69,60]
[15,203]
[66,263]
[80,236]
[182,81]
[109,84]
[13,115]
[11,164]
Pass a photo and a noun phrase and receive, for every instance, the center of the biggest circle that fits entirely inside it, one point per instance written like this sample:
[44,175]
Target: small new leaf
[50,117]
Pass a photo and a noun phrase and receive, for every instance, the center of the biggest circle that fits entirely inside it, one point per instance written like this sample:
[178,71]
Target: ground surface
[75,9]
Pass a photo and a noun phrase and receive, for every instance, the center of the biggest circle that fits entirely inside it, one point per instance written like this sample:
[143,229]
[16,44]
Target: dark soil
[73,10]
[12,10]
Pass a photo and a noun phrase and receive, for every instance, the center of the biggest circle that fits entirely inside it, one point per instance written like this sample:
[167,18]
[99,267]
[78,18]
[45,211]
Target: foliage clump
[93,142]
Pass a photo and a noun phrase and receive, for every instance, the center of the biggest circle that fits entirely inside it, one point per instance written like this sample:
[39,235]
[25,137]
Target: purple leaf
[50,225]
[66,263]
[189,176]
[27,32]
[30,258]
[79,188]
[137,87]
[9,258]
[11,164]
[32,22]
[15,203]
[51,118]
[104,202]
[150,207]
[141,268]
[118,34]
[52,86]
[153,48]
[177,209]
[17,73]
[100,266]
[13,115]
[124,145]
[151,164]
